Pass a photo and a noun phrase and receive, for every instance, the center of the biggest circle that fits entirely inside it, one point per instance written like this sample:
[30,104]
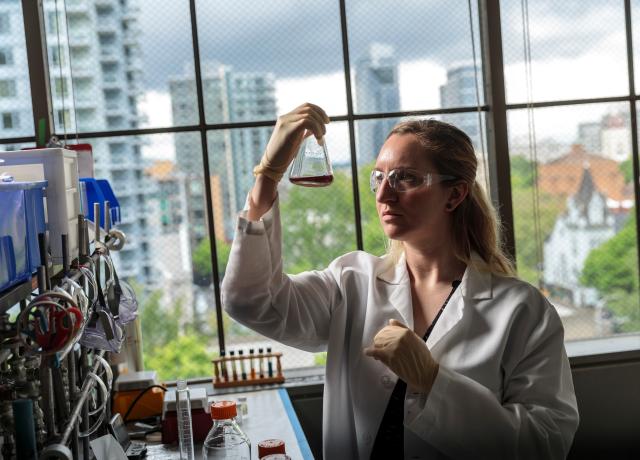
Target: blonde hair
[476,226]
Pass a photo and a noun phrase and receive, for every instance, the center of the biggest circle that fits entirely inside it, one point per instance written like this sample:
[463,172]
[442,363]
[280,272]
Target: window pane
[121,58]
[16,113]
[635,30]
[318,223]
[577,49]
[163,31]
[268,58]
[162,258]
[576,238]
[407,55]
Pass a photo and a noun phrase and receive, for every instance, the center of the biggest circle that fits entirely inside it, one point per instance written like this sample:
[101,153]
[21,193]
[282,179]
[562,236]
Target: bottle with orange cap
[225,439]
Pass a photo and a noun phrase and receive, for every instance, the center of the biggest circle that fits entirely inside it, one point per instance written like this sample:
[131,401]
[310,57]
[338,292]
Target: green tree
[612,269]
[201,259]
[627,170]
[373,236]
[159,326]
[521,172]
[320,359]
[317,223]
[186,356]
[170,346]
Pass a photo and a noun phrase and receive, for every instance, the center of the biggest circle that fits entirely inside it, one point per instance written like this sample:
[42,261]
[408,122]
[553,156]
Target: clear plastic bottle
[225,439]
[183,411]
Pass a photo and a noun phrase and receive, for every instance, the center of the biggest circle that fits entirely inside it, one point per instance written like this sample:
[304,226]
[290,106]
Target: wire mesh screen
[129,64]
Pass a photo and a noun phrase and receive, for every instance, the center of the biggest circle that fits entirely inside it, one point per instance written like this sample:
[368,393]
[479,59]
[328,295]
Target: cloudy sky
[577,49]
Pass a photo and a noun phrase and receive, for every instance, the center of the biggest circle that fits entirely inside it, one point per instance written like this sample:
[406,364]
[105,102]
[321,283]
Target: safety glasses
[403,180]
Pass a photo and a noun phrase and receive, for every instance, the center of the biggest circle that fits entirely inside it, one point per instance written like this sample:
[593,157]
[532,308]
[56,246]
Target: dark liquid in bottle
[312,181]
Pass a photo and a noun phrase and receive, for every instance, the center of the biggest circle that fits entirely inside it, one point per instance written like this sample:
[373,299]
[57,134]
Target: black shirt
[389,441]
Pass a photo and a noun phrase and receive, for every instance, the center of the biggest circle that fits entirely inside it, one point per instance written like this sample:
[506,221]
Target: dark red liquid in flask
[312,181]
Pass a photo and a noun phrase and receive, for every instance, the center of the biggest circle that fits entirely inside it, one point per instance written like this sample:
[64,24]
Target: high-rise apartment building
[460,91]
[95,72]
[15,100]
[377,90]
[229,97]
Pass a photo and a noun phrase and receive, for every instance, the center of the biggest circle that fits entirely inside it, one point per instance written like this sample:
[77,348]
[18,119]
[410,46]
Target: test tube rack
[254,369]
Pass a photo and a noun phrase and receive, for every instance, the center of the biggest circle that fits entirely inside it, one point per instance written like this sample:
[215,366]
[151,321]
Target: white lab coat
[504,388]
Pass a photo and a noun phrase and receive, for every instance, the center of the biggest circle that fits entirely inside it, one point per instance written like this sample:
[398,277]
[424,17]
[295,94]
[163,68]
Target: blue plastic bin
[99,191]
[108,194]
[21,219]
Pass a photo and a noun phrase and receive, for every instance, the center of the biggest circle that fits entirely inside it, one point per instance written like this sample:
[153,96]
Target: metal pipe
[107,218]
[42,246]
[42,279]
[83,405]
[65,253]
[81,243]
[80,403]
[72,382]
[47,398]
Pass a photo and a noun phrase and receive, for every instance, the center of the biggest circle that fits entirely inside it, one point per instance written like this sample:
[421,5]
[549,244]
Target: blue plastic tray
[21,219]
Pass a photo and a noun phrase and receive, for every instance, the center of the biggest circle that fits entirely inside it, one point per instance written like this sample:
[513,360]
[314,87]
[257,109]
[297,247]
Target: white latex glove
[287,136]
[406,354]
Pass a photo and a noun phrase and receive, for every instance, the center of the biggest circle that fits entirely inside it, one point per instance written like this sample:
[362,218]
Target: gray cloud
[294,38]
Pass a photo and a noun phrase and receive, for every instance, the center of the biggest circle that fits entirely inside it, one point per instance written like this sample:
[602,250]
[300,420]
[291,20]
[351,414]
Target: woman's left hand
[406,354]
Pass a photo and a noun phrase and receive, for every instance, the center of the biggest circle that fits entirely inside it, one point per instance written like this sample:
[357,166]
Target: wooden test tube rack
[225,370]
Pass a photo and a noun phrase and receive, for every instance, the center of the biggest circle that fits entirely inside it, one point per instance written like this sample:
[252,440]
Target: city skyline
[417,83]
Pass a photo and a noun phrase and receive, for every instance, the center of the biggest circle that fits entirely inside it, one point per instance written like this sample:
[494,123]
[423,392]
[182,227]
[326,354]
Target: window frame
[495,110]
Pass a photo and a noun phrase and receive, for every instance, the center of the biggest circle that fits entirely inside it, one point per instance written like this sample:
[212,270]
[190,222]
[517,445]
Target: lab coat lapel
[398,290]
[475,285]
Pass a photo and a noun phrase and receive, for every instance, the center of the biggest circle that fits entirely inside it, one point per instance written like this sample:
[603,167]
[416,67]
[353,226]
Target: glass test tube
[251,367]
[233,365]
[242,368]
[269,364]
[223,364]
[183,409]
[260,366]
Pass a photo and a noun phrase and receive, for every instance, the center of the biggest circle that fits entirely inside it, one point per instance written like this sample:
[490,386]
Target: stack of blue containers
[21,219]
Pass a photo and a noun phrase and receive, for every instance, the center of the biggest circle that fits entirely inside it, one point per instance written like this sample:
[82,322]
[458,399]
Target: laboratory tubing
[253,369]
[242,368]
[260,366]
[225,439]
[270,447]
[311,166]
[233,365]
[269,364]
[183,409]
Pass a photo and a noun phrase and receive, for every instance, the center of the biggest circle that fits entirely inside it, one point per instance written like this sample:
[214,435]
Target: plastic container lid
[10,186]
[270,446]
[221,410]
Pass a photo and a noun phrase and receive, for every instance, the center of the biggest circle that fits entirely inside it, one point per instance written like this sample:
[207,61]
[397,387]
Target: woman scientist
[435,350]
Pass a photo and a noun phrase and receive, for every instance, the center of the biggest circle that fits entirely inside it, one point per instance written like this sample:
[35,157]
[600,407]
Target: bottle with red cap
[270,447]
[225,439]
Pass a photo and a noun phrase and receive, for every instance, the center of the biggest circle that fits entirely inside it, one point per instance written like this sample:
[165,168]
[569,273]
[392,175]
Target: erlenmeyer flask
[311,166]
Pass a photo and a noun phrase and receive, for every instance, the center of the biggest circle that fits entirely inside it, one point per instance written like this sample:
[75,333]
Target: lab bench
[270,415]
